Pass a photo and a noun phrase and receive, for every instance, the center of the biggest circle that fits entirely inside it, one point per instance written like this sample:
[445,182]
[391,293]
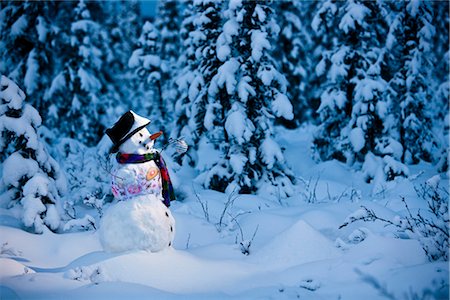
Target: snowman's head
[139,143]
[130,135]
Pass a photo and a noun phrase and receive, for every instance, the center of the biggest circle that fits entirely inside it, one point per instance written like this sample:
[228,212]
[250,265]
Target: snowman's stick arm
[109,172]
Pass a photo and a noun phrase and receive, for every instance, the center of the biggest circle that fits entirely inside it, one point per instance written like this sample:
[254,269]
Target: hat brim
[115,148]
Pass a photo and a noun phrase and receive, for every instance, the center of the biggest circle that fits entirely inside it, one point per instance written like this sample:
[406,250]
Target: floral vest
[137,174]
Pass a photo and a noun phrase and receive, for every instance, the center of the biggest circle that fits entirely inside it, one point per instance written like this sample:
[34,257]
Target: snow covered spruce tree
[124,23]
[208,25]
[441,22]
[75,92]
[146,63]
[183,81]
[168,25]
[122,27]
[248,94]
[353,111]
[25,53]
[31,183]
[200,30]
[295,52]
[441,93]
[411,49]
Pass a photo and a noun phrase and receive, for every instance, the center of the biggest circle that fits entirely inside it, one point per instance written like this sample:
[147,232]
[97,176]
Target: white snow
[237,162]
[245,89]
[87,222]
[58,83]
[357,139]
[32,209]
[433,182]
[294,246]
[259,42]
[267,74]
[134,60]
[139,223]
[355,14]
[230,29]
[367,88]
[238,126]
[260,13]
[223,51]
[84,25]
[328,7]
[226,75]
[389,146]
[11,267]
[206,161]
[12,94]
[270,152]
[89,82]
[338,68]
[297,245]
[15,167]
[195,87]
[30,79]
[332,99]
[293,253]
[19,26]
[41,29]
[282,107]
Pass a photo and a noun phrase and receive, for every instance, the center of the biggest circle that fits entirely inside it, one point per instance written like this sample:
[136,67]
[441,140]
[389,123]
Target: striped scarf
[167,188]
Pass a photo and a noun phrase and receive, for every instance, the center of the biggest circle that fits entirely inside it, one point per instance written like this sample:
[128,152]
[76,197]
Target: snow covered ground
[244,246]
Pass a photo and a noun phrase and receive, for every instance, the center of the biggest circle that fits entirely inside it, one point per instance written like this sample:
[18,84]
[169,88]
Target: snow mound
[297,245]
[10,267]
[175,271]
[141,223]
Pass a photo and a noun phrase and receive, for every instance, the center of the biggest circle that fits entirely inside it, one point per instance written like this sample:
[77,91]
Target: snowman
[140,182]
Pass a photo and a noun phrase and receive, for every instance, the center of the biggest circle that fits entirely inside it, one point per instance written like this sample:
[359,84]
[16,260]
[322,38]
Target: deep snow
[295,246]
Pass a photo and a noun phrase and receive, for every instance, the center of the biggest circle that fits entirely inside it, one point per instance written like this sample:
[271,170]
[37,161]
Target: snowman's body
[139,223]
[140,220]
[130,180]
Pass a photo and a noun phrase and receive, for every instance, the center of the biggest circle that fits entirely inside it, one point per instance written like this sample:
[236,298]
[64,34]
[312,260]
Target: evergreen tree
[146,63]
[250,159]
[296,55]
[124,23]
[207,30]
[410,87]
[200,30]
[335,114]
[355,116]
[123,26]
[351,85]
[31,179]
[441,22]
[26,33]
[75,91]
[184,83]
[441,95]
[168,24]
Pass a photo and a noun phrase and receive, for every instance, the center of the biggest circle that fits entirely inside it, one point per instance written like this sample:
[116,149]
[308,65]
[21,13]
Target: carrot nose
[156,135]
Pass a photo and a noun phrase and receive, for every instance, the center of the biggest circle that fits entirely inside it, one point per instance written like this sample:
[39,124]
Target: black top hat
[128,124]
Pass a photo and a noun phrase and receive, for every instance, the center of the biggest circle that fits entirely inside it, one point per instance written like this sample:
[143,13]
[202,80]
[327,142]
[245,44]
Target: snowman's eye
[140,142]
[140,134]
